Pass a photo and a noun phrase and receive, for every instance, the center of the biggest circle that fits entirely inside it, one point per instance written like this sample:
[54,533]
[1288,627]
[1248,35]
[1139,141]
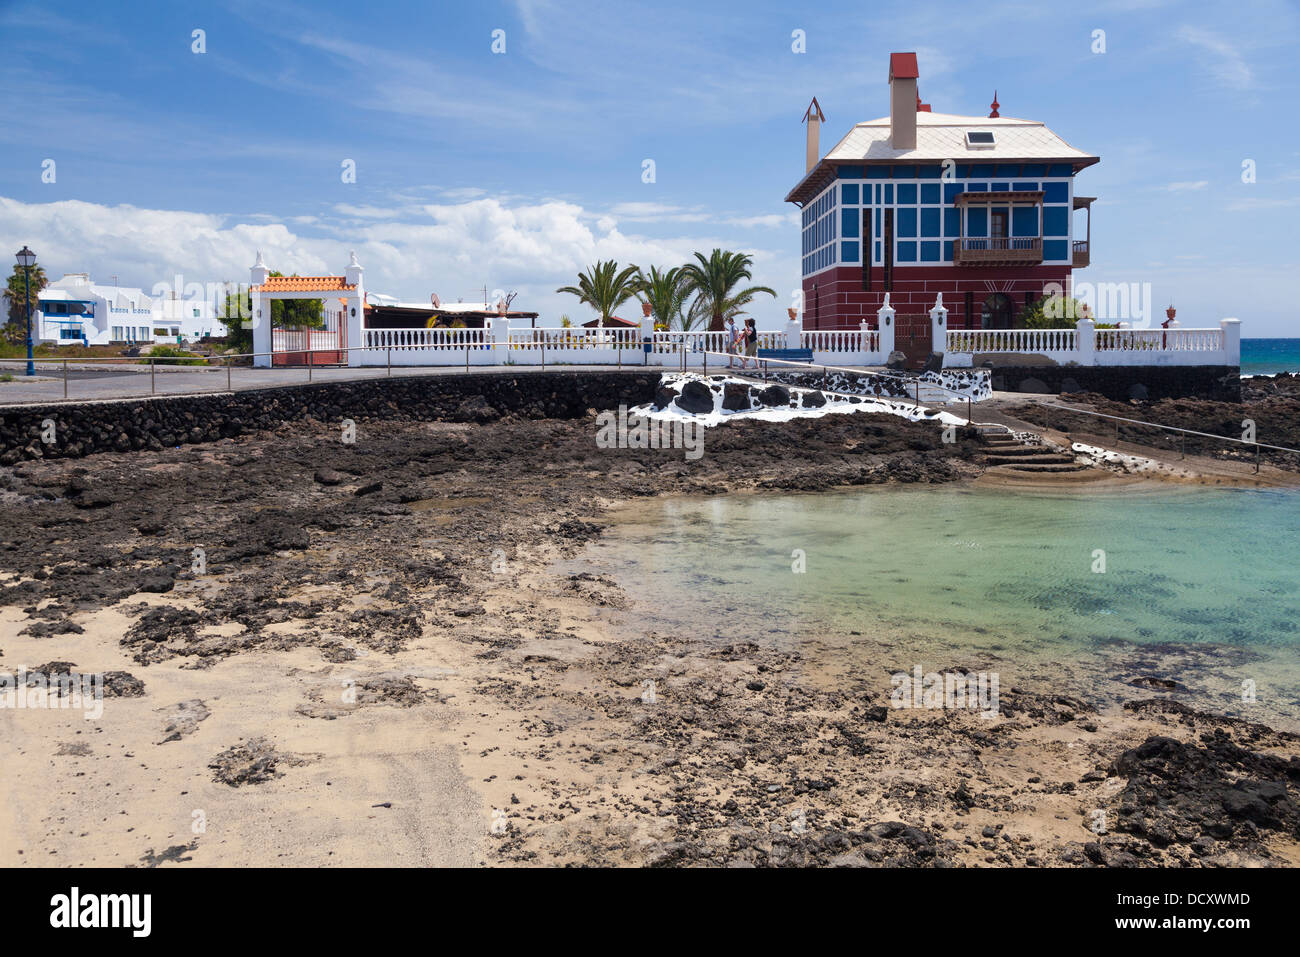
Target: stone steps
[1044,467]
[1016,448]
[1006,455]
[1044,458]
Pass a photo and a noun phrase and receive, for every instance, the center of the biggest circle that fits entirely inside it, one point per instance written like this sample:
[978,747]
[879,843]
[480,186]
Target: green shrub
[174,356]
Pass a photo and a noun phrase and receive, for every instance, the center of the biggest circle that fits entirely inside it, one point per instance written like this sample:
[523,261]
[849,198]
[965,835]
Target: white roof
[78,286]
[941,136]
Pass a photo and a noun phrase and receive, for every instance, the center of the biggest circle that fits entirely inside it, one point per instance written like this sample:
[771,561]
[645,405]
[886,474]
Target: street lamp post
[26,258]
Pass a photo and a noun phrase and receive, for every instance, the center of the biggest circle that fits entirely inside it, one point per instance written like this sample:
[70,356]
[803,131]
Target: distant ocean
[1269,356]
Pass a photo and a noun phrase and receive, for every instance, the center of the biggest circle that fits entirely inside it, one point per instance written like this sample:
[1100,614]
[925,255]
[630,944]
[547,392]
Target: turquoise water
[1269,356]
[1199,585]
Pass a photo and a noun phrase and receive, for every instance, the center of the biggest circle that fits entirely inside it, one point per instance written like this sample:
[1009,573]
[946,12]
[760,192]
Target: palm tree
[715,279]
[604,288]
[666,292]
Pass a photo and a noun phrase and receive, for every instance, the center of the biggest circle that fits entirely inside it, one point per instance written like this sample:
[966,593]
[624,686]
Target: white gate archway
[344,310]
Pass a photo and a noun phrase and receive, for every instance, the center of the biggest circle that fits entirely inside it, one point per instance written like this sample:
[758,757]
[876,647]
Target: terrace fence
[1087,345]
[960,348]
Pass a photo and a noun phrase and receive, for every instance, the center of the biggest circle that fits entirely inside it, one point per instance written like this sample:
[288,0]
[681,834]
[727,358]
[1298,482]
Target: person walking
[733,339]
[750,337]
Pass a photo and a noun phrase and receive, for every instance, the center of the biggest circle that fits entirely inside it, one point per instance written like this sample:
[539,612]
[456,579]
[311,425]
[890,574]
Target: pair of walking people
[742,341]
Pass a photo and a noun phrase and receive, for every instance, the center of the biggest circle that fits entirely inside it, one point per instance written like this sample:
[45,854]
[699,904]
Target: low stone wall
[974,383]
[85,428]
[1222,383]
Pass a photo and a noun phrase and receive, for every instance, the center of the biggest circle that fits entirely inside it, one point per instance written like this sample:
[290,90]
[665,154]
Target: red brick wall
[841,303]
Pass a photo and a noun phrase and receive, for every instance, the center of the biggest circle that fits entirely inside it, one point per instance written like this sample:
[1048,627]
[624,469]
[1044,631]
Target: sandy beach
[382,655]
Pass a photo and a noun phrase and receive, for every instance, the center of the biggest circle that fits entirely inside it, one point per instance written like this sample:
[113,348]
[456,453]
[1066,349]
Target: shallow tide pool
[1090,592]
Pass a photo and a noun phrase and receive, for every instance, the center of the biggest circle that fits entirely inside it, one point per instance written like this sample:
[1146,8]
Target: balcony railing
[997,251]
[1081,257]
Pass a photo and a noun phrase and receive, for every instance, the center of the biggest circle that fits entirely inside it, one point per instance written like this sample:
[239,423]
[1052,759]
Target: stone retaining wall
[1222,383]
[85,428]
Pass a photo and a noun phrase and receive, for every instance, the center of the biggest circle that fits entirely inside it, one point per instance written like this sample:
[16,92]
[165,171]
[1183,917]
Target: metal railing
[1257,446]
[191,363]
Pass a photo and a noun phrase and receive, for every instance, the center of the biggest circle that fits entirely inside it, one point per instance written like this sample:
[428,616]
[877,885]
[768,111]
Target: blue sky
[513,170]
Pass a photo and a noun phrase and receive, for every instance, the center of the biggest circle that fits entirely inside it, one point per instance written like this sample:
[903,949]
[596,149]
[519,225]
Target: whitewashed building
[75,309]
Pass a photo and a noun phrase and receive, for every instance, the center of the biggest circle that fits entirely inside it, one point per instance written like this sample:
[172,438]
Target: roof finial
[995,105]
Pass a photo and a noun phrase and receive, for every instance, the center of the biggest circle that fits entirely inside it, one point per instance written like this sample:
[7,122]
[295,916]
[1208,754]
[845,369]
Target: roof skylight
[979,140]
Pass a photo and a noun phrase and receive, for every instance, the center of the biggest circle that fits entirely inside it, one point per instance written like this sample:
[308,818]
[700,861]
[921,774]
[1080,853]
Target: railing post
[885,326]
[1231,341]
[1085,341]
[390,360]
[939,328]
[151,379]
[309,363]
[228,387]
[65,378]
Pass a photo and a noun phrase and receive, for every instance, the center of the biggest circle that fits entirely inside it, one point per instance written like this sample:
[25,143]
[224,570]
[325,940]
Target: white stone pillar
[885,323]
[939,327]
[794,335]
[260,316]
[499,334]
[1085,342]
[355,309]
[648,336]
[1231,341]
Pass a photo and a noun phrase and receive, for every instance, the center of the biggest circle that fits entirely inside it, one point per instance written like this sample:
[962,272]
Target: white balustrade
[854,347]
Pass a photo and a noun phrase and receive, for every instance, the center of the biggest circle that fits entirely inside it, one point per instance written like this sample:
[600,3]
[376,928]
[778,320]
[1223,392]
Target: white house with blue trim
[76,310]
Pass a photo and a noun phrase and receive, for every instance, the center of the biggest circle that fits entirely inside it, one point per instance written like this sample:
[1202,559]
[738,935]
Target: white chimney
[902,100]
[814,118]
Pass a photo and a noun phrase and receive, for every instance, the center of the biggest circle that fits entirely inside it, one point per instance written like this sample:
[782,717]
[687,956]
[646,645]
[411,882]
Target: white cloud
[453,249]
[1225,61]
[1188,186]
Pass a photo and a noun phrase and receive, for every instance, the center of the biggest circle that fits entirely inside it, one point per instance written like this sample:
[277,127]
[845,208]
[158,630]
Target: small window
[979,140]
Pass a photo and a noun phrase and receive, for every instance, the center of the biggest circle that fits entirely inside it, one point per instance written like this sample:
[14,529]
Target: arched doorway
[996,312]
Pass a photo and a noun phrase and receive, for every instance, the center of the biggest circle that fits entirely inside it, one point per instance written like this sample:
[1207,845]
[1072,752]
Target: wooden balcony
[997,251]
[1081,256]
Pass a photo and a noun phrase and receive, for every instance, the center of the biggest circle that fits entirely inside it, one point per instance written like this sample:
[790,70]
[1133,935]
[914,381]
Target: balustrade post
[1231,341]
[1085,341]
[939,328]
[885,326]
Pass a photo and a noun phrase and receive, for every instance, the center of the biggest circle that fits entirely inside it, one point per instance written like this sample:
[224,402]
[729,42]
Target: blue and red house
[979,208]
